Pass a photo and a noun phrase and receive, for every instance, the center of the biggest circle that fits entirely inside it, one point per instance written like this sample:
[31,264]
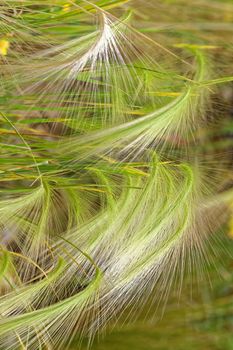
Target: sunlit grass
[115,169]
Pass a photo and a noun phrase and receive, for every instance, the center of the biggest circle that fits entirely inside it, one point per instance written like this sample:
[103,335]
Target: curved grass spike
[105,198]
[177,118]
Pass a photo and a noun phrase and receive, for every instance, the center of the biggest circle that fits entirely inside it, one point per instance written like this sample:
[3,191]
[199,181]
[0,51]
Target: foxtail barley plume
[110,194]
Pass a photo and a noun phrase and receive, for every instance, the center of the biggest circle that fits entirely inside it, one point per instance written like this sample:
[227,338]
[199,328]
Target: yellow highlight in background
[66,7]
[4,46]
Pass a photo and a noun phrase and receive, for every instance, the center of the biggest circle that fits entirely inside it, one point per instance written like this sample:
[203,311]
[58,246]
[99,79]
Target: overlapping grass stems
[105,195]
